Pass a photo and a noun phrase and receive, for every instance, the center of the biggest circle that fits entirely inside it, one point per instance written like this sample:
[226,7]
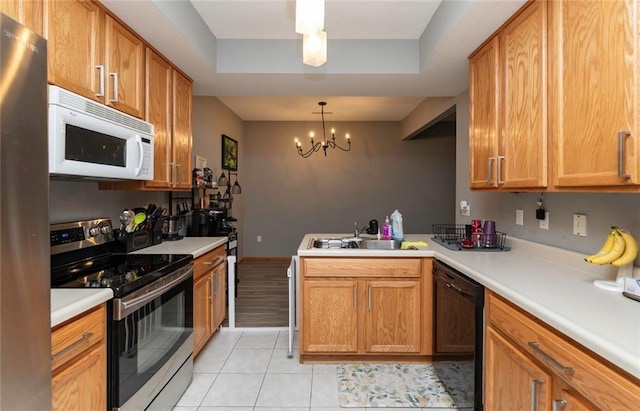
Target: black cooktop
[123,273]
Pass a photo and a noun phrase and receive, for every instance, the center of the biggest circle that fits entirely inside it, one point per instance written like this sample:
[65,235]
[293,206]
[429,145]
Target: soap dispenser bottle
[397,231]
[386,229]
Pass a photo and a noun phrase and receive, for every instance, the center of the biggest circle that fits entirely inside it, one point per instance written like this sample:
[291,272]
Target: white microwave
[90,140]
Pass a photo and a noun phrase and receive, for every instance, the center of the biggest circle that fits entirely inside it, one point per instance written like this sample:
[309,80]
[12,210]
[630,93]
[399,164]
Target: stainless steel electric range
[150,319]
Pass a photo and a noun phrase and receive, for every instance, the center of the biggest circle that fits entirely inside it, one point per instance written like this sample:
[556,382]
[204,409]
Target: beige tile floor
[250,371]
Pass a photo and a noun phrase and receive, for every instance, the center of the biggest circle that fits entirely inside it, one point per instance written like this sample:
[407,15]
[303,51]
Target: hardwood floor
[263,293]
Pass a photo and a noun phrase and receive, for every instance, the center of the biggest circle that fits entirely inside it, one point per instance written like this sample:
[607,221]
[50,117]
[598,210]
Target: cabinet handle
[534,394]
[500,160]
[490,161]
[369,297]
[101,89]
[558,405]
[355,297]
[179,173]
[62,352]
[214,262]
[213,289]
[536,347]
[172,178]
[622,135]
[115,87]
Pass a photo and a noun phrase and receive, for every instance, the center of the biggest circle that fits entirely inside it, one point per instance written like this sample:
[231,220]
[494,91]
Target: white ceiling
[384,56]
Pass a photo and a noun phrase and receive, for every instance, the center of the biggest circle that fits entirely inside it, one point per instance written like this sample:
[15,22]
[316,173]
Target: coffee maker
[206,222]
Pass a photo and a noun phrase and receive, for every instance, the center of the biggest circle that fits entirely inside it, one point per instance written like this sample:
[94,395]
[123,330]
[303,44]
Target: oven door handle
[124,308]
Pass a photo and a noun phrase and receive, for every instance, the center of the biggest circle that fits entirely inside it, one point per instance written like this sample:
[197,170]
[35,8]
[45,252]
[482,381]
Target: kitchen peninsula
[549,287]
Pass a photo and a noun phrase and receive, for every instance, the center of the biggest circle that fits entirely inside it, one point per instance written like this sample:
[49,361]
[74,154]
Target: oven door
[150,340]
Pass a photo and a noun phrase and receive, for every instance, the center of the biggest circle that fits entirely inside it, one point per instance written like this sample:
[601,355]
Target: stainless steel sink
[362,243]
[381,244]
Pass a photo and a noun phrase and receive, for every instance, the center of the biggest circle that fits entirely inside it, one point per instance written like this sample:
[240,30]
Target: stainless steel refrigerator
[25,311]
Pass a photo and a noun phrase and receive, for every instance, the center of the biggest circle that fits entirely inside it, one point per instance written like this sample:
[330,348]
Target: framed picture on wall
[229,153]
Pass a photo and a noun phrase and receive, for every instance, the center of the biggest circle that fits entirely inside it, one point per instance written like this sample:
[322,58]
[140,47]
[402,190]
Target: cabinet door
[565,399]
[483,115]
[512,381]
[523,143]
[158,112]
[392,316]
[81,385]
[124,65]
[329,316]
[182,112]
[594,92]
[27,12]
[74,32]
[202,312]
[219,295]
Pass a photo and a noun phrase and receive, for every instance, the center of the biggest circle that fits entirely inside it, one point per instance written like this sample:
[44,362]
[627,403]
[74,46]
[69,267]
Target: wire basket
[455,233]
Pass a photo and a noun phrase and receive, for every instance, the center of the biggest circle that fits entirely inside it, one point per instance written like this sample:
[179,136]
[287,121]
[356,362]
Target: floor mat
[406,385]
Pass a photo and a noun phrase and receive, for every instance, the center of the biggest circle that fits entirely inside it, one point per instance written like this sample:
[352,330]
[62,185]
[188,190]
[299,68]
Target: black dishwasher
[458,324]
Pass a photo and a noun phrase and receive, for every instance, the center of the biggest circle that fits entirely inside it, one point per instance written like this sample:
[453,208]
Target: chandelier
[310,23]
[324,144]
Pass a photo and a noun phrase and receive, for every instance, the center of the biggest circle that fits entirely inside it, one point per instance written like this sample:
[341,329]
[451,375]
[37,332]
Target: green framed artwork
[229,153]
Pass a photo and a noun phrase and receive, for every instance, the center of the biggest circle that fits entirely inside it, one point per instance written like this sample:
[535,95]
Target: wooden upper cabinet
[124,66]
[159,83]
[522,162]
[594,92]
[182,139]
[483,115]
[507,105]
[26,12]
[93,55]
[74,50]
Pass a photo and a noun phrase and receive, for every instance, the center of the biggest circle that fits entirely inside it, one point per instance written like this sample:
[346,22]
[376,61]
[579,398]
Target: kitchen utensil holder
[137,240]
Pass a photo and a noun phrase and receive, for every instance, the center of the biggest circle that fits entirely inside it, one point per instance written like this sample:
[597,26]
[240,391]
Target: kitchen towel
[406,385]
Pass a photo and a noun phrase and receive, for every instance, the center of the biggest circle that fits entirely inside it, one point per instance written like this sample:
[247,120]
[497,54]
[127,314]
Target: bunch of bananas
[619,249]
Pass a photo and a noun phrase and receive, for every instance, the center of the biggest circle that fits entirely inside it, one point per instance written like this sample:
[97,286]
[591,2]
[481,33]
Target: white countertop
[195,246]
[66,303]
[554,285]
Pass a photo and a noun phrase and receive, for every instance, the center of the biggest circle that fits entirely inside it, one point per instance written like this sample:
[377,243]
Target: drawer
[595,378]
[206,262]
[361,267]
[77,335]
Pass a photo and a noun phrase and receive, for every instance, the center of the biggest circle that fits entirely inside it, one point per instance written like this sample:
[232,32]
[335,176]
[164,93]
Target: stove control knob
[94,231]
[105,229]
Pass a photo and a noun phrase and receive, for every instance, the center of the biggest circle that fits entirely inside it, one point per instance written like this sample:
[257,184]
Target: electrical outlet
[465,208]
[519,217]
[580,225]
[259,238]
[544,224]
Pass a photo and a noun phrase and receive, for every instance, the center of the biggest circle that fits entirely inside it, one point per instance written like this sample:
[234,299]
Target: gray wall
[288,196]
[211,119]
[72,201]
[602,209]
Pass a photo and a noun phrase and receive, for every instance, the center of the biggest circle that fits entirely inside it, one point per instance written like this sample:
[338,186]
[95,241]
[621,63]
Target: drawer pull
[536,347]
[214,262]
[534,394]
[558,405]
[85,337]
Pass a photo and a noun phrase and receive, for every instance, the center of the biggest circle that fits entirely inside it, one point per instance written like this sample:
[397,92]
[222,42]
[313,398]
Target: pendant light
[236,189]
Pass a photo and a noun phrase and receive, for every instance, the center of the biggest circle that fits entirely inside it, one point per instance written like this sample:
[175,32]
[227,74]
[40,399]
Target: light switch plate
[519,217]
[580,225]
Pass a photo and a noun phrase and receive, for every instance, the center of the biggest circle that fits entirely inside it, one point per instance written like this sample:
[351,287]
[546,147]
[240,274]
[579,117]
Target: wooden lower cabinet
[527,361]
[79,363]
[514,381]
[363,306]
[209,307]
